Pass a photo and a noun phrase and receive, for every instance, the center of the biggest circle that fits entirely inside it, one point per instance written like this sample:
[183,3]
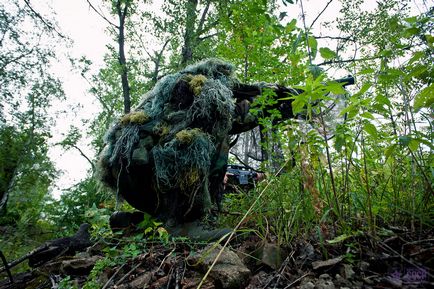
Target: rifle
[241,173]
[349,80]
[241,177]
[249,92]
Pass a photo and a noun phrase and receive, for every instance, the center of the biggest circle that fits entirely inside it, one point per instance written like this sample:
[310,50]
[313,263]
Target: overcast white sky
[87,30]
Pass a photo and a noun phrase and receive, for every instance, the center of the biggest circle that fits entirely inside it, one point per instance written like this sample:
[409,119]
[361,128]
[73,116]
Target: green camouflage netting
[168,156]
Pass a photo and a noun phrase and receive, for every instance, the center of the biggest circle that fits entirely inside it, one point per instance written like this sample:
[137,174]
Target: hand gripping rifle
[240,176]
[242,173]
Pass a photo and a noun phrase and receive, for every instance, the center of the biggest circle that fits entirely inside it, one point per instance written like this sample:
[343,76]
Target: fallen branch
[5,262]
[113,276]
[23,258]
[130,272]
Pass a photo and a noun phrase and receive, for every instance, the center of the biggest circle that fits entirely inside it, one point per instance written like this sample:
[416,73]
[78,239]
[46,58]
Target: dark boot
[196,231]
[125,220]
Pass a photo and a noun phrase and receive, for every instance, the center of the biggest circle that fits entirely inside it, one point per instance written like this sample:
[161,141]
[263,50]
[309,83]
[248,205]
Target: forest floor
[393,258]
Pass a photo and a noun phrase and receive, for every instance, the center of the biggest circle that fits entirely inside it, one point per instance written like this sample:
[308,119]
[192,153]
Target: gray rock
[308,285]
[347,271]
[327,263]
[229,271]
[368,281]
[324,284]
[307,253]
[141,281]
[325,277]
[342,282]
[394,283]
[363,265]
[78,266]
[272,255]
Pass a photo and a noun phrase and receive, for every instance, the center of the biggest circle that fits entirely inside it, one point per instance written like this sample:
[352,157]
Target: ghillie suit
[168,157]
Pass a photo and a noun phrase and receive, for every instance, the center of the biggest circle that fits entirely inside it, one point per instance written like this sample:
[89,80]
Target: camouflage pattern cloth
[168,157]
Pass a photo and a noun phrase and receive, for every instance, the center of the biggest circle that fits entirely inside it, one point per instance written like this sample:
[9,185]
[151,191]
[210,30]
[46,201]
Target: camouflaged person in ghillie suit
[168,157]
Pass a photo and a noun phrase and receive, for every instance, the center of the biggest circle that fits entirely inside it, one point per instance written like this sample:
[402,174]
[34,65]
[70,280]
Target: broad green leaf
[298,104]
[425,98]
[416,56]
[339,239]
[430,39]
[343,237]
[313,45]
[411,31]
[367,115]
[336,88]
[352,110]
[298,42]
[381,99]
[417,70]
[339,142]
[364,88]
[353,113]
[327,53]
[290,26]
[366,71]
[370,129]
[386,53]
[404,140]
[427,143]
[414,144]
[389,150]
[411,20]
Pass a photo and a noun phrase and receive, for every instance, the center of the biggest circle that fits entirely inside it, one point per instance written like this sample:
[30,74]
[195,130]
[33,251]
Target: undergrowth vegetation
[364,167]
[369,165]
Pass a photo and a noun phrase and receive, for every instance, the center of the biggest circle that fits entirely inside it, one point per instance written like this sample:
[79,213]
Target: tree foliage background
[376,170]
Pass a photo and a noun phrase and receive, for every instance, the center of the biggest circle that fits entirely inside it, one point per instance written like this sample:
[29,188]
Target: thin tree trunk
[122,60]
[189,35]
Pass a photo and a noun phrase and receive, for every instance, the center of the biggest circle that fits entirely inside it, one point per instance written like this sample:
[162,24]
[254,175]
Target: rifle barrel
[349,80]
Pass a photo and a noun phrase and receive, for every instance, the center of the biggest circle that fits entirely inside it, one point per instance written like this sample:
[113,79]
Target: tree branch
[335,38]
[313,22]
[349,60]
[15,59]
[208,36]
[202,18]
[157,61]
[100,14]
[83,155]
[47,24]
[306,34]
[243,163]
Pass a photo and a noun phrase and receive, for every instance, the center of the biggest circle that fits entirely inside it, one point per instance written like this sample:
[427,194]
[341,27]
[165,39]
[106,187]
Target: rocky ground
[395,258]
